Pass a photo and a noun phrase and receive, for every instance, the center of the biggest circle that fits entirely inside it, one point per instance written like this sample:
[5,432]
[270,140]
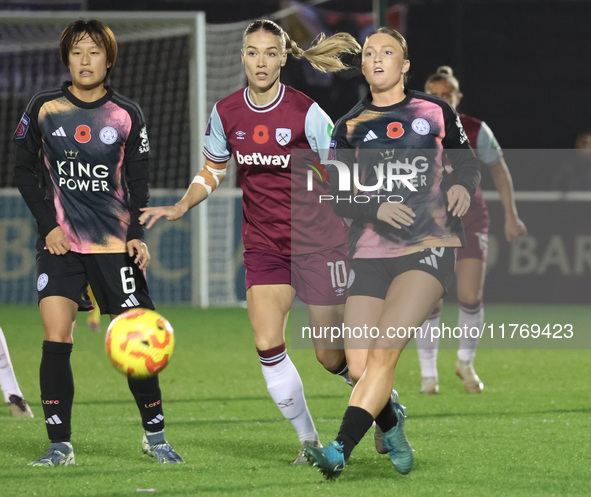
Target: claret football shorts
[319,278]
[476,225]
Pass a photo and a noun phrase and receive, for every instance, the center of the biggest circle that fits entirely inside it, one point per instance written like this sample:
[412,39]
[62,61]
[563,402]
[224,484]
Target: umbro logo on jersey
[131,302]
[59,132]
[370,136]
[430,260]
[54,420]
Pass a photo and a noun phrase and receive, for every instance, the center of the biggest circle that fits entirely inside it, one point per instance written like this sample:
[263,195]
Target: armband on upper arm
[210,177]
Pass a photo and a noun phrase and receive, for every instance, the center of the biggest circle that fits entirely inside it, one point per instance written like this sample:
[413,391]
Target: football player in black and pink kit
[386,169]
[471,260]
[94,179]
[287,251]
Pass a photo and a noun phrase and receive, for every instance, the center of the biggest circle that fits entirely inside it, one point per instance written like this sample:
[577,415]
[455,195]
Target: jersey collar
[368,104]
[267,107]
[85,105]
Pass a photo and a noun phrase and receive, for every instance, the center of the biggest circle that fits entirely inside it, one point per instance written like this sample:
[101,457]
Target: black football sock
[354,426]
[57,390]
[387,419]
[149,401]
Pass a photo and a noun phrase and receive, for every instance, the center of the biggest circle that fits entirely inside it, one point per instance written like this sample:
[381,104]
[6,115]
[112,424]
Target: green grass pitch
[528,433]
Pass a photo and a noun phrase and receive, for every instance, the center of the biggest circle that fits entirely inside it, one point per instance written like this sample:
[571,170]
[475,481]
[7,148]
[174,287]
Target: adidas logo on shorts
[430,260]
[131,302]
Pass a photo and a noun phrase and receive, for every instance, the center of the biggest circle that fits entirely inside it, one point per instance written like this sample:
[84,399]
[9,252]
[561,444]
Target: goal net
[161,65]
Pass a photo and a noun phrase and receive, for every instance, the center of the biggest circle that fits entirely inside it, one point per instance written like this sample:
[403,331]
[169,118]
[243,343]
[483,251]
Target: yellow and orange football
[139,343]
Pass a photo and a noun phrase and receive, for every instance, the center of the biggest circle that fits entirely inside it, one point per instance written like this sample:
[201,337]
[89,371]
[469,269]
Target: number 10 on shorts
[338,274]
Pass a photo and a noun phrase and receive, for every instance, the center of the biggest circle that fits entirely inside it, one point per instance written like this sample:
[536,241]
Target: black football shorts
[118,284]
[372,277]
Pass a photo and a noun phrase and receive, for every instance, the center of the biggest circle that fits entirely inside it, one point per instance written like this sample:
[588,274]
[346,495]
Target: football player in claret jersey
[402,237]
[471,260]
[94,179]
[261,126]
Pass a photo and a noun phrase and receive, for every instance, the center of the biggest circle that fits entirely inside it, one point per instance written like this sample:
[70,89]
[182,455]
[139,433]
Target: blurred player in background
[402,250]
[575,174]
[93,321]
[94,179]
[471,260]
[261,125]
[9,385]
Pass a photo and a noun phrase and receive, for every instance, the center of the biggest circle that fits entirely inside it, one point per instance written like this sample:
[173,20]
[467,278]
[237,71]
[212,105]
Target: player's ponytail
[324,54]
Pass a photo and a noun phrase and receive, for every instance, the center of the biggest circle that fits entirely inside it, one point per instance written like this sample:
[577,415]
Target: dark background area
[523,65]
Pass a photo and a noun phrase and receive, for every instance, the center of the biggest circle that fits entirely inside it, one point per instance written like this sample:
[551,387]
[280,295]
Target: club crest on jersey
[283,135]
[108,135]
[421,126]
[22,128]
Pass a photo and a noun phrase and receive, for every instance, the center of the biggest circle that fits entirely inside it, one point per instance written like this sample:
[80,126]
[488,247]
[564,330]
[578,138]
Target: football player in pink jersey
[94,178]
[471,260]
[402,238]
[288,252]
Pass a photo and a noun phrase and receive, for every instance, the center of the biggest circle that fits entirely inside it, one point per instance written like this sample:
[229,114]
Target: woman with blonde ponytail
[261,126]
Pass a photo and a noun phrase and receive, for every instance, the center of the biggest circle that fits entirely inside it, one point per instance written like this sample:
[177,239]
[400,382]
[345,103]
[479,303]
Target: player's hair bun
[445,71]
